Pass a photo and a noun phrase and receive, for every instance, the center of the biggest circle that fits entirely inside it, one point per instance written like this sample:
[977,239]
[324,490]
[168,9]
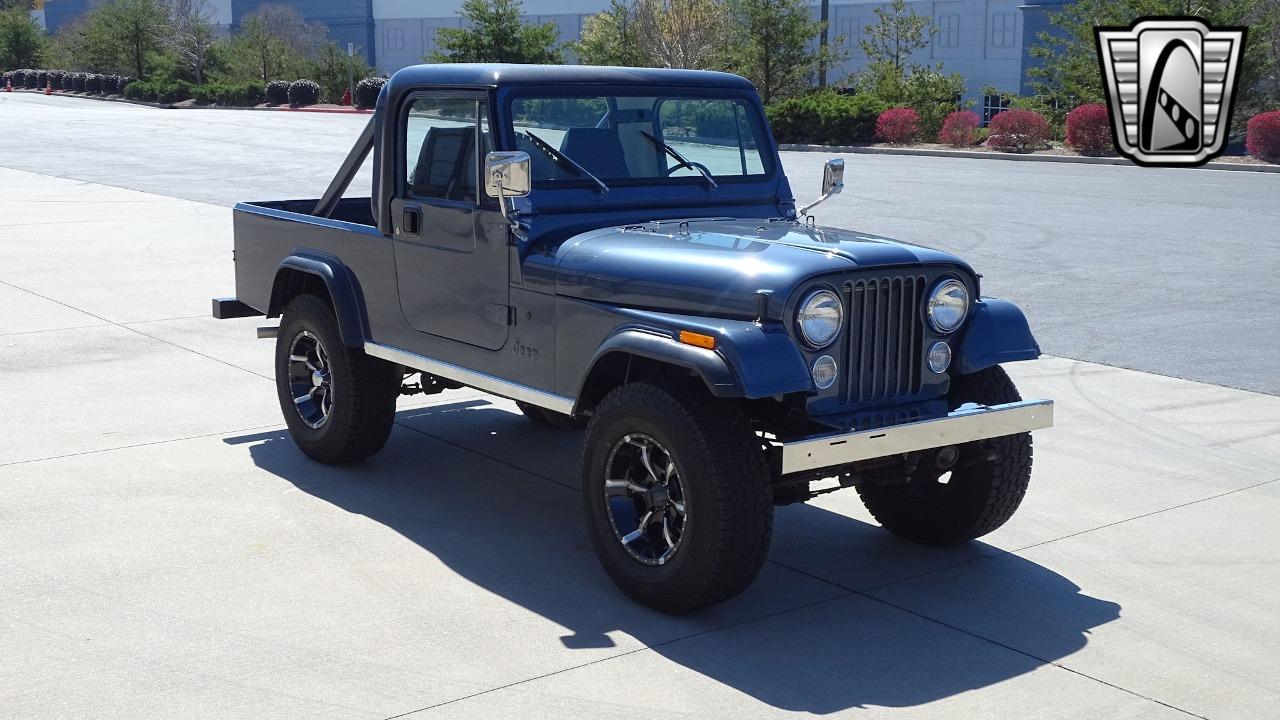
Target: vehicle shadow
[518,534]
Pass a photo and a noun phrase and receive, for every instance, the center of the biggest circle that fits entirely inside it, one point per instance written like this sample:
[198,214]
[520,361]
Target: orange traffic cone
[8,85]
[48,89]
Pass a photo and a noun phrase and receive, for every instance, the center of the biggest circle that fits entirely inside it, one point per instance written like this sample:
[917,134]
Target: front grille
[885,338]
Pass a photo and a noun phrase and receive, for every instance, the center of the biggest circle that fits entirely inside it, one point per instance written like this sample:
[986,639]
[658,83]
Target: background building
[987,41]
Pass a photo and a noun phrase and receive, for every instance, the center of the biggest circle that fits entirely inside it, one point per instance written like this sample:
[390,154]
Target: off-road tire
[365,389]
[728,493]
[979,497]
[550,418]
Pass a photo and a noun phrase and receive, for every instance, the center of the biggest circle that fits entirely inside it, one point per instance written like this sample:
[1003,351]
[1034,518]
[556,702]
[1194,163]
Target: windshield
[638,138]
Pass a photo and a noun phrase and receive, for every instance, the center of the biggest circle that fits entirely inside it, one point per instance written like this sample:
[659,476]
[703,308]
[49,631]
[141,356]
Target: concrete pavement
[168,551]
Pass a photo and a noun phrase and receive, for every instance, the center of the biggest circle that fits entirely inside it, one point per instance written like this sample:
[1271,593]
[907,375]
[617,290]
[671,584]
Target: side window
[445,139]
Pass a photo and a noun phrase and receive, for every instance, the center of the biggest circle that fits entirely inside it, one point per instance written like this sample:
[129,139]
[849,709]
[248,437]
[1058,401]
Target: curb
[1030,157]
[169,106]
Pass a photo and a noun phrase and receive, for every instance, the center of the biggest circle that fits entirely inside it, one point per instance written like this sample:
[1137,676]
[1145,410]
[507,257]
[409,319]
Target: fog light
[824,372]
[939,357]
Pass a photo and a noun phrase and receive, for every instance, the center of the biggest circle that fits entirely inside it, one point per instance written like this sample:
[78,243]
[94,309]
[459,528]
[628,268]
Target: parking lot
[166,551]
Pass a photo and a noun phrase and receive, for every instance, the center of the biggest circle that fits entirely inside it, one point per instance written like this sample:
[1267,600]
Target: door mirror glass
[833,177]
[507,174]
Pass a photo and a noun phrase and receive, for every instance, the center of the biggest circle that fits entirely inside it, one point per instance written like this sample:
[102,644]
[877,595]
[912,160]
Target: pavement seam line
[644,648]
[134,330]
[136,445]
[976,636]
[1017,550]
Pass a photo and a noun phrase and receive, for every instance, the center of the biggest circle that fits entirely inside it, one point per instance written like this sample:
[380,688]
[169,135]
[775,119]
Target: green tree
[770,43]
[137,27]
[333,69]
[611,37]
[1069,75]
[22,42]
[896,33]
[497,34]
[273,43]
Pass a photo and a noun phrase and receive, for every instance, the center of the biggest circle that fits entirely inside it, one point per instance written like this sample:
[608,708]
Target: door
[450,240]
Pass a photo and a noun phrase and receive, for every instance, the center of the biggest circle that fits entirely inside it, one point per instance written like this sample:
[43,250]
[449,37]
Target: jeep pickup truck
[619,249]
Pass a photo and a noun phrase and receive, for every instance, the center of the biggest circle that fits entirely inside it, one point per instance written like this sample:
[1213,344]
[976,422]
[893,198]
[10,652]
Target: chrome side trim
[471,378]
[961,426]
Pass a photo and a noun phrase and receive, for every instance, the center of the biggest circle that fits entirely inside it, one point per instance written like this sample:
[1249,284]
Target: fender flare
[750,360]
[338,279]
[997,333]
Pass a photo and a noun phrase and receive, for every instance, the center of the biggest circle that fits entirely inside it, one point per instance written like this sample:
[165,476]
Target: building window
[1002,25]
[949,31]
[395,38]
[991,106]
[848,32]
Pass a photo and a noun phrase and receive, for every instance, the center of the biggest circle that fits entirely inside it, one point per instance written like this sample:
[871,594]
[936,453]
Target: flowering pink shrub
[959,129]
[1262,136]
[1018,131]
[1089,128]
[898,126]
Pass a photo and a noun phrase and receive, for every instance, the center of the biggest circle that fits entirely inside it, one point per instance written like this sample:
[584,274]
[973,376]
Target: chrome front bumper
[967,424]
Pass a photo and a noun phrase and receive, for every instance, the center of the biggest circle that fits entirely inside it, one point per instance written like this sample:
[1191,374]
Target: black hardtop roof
[501,75]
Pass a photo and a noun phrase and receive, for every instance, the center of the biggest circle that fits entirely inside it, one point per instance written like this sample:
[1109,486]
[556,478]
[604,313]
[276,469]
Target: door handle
[411,221]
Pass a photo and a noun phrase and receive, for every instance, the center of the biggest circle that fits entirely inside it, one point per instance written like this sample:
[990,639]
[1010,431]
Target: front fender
[997,332]
[344,291]
[749,361]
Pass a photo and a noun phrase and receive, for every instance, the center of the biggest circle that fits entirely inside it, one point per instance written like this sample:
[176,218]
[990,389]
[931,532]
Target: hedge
[959,129]
[304,92]
[1089,128]
[1020,131]
[826,118]
[898,126]
[1262,136]
[158,91]
[367,91]
[218,93]
[277,92]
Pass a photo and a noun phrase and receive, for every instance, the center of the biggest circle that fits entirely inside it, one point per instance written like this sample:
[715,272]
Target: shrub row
[827,118]
[277,92]
[67,81]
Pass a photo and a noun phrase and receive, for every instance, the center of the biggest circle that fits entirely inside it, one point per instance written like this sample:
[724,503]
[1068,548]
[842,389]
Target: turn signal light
[697,340]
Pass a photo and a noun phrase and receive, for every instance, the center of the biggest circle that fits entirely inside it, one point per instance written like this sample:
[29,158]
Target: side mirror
[507,175]
[832,183]
[832,178]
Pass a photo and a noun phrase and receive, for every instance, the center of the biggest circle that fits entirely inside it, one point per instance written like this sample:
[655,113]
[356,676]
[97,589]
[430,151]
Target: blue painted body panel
[996,332]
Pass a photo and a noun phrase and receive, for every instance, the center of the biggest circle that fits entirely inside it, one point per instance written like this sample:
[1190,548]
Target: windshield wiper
[681,159]
[564,160]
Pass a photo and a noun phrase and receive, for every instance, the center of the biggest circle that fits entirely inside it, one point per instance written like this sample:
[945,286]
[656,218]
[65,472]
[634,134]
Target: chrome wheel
[310,382]
[645,499]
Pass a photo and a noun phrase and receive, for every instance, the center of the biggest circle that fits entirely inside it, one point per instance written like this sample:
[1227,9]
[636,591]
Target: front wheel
[338,402]
[677,495]
[979,490]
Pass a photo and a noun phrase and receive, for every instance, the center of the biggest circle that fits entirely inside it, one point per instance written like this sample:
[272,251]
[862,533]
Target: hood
[716,267]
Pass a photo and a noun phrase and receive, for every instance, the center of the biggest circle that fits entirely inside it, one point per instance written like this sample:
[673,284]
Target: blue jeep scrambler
[619,249]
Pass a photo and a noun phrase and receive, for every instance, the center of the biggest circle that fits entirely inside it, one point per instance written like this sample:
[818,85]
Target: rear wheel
[677,495]
[550,418]
[975,491]
[338,402]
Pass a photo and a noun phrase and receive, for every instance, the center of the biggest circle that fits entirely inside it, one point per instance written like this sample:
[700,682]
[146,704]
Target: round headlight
[824,372]
[820,317]
[939,357]
[948,304]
